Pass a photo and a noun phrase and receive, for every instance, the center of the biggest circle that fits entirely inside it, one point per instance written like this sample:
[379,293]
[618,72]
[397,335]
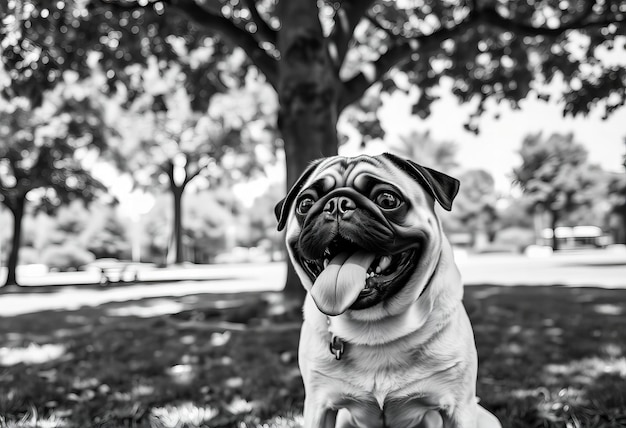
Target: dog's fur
[410,358]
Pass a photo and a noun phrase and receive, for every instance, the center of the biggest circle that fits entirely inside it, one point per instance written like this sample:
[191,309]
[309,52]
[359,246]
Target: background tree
[555,174]
[168,143]
[43,153]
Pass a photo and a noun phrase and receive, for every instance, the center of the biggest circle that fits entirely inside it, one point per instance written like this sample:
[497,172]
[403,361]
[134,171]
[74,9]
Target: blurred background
[144,145]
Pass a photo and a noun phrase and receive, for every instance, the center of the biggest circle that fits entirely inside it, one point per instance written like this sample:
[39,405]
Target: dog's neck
[379,332]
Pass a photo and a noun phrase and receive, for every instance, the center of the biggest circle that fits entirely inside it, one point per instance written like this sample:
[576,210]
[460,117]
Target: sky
[496,147]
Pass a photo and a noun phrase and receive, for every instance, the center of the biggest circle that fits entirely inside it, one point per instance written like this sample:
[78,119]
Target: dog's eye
[388,200]
[305,205]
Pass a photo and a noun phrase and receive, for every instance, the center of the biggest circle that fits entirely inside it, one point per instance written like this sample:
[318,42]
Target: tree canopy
[45,152]
[492,49]
[556,176]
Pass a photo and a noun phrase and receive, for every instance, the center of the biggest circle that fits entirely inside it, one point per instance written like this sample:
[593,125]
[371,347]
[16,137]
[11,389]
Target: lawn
[549,357]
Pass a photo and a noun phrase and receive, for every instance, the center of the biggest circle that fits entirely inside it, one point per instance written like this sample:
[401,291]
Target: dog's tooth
[385,262]
[326,261]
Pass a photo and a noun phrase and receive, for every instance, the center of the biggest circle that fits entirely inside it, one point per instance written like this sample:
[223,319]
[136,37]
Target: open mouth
[382,276]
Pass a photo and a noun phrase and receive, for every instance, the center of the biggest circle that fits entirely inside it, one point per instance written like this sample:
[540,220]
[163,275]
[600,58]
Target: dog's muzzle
[352,254]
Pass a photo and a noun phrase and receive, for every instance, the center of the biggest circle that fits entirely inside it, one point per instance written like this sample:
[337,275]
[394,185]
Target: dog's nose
[340,206]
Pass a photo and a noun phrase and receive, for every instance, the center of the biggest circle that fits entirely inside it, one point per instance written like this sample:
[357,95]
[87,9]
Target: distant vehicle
[576,237]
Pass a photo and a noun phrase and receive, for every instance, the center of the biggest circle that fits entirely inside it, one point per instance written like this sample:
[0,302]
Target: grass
[549,357]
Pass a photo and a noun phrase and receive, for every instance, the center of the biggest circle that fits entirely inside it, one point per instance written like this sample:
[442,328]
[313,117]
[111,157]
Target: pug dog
[385,341]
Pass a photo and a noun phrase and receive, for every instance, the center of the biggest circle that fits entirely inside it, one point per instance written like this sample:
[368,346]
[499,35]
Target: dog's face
[362,232]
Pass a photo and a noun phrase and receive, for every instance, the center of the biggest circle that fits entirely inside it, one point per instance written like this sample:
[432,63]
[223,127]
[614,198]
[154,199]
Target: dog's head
[362,232]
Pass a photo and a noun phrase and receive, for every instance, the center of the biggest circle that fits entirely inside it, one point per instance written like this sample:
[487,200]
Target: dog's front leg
[317,415]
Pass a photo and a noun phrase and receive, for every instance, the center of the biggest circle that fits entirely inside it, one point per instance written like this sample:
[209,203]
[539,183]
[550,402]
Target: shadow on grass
[549,357]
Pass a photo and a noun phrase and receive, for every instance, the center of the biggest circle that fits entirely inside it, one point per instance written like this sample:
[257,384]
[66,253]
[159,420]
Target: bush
[515,237]
[66,257]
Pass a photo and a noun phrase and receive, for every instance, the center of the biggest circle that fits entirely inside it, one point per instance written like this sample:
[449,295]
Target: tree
[43,152]
[555,174]
[166,142]
[322,56]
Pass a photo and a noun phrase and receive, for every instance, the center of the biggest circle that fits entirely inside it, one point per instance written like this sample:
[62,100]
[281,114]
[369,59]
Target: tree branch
[345,21]
[234,34]
[217,23]
[378,25]
[265,32]
[490,16]
[191,175]
[356,87]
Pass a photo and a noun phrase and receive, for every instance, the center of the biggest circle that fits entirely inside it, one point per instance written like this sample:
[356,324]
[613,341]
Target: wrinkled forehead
[361,173]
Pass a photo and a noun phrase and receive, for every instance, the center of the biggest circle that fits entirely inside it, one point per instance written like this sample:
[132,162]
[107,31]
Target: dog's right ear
[281,210]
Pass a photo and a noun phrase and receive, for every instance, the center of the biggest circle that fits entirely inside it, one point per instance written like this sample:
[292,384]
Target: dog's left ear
[281,210]
[441,186]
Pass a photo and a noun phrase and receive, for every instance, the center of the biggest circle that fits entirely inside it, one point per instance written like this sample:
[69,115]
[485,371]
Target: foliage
[44,152]
[165,142]
[66,257]
[46,147]
[489,49]
[39,43]
[549,357]
[556,176]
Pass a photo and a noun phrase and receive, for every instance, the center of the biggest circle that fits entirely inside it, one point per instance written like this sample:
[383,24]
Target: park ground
[218,349]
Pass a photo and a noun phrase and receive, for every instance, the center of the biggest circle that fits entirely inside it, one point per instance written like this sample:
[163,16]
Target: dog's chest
[382,374]
[381,391]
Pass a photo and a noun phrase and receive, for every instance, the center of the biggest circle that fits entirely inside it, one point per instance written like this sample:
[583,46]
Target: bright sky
[495,147]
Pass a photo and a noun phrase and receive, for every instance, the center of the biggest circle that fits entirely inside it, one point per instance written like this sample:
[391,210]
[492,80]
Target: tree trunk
[177,226]
[554,220]
[18,215]
[621,233]
[308,92]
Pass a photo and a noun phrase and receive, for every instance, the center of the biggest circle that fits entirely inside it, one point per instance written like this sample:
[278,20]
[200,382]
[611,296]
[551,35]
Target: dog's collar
[336,344]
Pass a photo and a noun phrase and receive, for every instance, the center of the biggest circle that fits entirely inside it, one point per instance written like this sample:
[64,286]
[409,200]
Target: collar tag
[336,347]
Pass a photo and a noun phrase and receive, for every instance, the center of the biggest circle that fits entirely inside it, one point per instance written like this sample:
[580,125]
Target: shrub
[66,257]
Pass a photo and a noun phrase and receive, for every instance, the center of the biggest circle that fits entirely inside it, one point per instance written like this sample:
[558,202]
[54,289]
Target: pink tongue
[339,285]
